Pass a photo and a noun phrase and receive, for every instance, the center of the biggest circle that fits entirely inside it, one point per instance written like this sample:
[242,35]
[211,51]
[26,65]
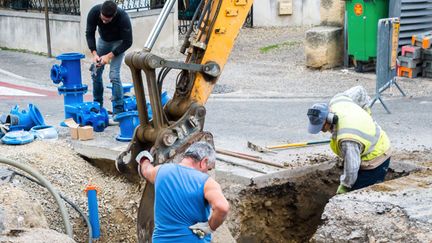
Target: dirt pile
[397,210]
[394,211]
[69,173]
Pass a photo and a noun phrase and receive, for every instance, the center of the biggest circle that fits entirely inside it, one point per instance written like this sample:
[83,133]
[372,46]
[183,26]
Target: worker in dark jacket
[115,33]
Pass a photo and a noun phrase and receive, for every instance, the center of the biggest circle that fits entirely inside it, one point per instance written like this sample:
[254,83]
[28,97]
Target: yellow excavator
[207,45]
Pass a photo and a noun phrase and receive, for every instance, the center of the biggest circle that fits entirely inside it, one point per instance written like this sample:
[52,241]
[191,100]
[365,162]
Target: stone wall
[27,30]
[304,12]
[332,12]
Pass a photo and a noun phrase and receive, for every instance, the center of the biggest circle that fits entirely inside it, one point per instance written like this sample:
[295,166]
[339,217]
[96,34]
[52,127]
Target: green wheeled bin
[362,27]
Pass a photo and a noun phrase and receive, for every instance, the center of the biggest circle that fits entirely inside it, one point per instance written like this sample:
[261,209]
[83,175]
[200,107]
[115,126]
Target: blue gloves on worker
[201,229]
[143,155]
[342,189]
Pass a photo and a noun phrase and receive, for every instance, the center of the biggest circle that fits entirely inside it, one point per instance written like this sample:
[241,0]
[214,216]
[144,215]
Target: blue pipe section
[129,119]
[93,211]
[25,120]
[164,100]
[69,74]
[89,113]
[129,101]
[126,87]
[17,137]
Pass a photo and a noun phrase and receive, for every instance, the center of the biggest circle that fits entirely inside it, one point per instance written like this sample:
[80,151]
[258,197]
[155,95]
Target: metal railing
[185,16]
[72,7]
[139,5]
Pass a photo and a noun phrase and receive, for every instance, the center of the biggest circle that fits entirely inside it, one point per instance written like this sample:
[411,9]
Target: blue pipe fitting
[72,98]
[164,100]
[17,137]
[130,104]
[58,73]
[128,121]
[25,119]
[89,113]
[69,72]
[126,87]
[93,213]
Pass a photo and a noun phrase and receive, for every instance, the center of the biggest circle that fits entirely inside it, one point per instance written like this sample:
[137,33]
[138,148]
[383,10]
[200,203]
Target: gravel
[69,173]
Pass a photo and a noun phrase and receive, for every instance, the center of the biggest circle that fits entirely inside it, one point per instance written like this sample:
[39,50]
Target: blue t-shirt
[179,203]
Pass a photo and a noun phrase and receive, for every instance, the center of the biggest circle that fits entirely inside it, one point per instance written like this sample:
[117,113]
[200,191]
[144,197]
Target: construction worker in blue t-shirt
[184,195]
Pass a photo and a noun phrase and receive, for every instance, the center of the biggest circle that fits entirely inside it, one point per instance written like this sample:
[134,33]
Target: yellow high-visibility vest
[357,125]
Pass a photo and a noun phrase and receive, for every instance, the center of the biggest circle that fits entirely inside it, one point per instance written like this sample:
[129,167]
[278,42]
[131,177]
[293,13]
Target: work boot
[111,121]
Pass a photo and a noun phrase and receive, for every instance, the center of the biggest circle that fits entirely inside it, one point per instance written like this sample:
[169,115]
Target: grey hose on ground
[48,186]
[73,205]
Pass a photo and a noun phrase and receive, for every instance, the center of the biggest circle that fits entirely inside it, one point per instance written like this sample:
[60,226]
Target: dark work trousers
[369,177]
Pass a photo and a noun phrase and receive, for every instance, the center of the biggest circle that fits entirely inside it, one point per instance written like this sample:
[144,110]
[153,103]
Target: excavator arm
[180,122]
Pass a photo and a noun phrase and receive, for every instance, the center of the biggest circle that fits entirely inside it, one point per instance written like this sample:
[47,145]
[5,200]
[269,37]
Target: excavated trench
[291,210]
[282,212]
[288,212]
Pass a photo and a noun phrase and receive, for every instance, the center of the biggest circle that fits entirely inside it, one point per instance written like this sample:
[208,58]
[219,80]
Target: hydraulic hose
[48,186]
[73,205]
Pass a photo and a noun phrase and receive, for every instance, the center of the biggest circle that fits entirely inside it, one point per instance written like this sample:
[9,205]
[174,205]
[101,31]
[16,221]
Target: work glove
[342,189]
[143,154]
[201,229]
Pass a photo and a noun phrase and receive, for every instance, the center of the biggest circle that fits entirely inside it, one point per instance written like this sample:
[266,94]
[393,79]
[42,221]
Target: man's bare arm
[220,206]
[146,169]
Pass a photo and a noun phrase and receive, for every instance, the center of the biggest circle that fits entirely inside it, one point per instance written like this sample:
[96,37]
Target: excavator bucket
[145,222]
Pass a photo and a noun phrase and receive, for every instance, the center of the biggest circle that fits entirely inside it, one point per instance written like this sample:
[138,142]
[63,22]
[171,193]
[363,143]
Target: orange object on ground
[408,72]
[424,41]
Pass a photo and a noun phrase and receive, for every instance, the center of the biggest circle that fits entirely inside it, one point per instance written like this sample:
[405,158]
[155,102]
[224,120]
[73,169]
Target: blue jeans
[103,48]
[369,177]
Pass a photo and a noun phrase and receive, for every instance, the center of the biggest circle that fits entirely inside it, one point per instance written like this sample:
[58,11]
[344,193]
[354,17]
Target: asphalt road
[234,118]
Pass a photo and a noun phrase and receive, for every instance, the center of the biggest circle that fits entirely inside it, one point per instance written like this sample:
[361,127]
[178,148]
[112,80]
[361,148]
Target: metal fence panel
[72,7]
[140,5]
[388,38]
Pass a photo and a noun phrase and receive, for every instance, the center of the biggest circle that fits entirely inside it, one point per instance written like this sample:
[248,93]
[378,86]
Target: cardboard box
[79,132]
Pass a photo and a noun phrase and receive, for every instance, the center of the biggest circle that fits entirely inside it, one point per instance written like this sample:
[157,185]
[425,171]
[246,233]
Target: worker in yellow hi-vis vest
[356,138]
